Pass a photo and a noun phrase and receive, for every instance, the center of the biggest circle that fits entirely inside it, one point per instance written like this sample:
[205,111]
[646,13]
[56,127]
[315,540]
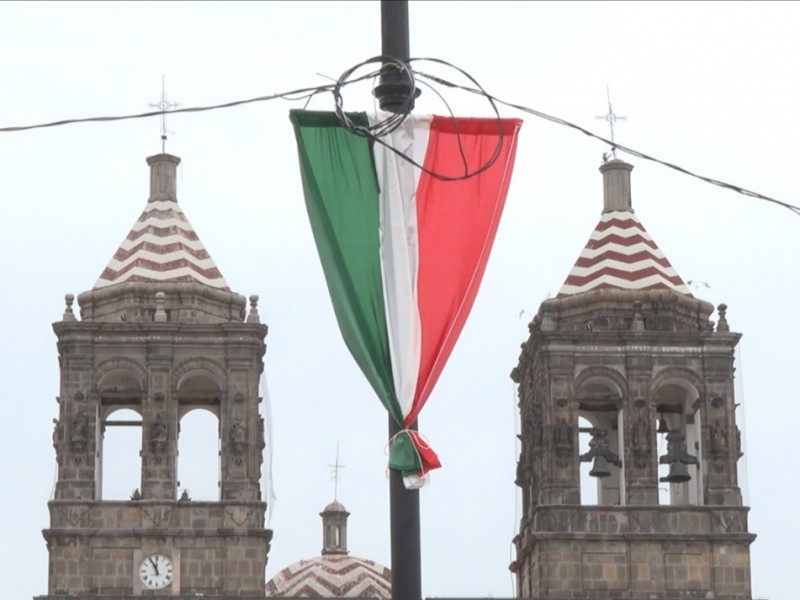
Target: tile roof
[162,246]
[620,253]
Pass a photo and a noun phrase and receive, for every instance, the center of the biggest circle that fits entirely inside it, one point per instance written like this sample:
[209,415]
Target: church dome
[335,506]
[332,576]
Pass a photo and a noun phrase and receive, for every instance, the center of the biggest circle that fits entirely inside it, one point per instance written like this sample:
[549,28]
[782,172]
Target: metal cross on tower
[335,474]
[611,119]
[163,105]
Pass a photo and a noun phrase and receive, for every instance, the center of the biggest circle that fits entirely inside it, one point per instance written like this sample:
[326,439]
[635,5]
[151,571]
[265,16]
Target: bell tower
[629,442]
[161,335]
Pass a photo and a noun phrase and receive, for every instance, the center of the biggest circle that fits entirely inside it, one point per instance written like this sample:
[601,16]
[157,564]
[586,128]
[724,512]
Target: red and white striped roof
[162,246]
[332,576]
[620,253]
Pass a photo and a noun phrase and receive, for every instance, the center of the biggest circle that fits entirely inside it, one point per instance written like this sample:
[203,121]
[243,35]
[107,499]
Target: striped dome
[332,576]
[162,246]
[620,253]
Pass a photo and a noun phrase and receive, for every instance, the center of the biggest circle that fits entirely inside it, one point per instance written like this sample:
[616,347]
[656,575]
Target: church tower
[629,443]
[161,335]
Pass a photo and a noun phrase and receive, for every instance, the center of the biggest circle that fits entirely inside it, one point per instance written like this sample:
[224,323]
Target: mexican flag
[403,251]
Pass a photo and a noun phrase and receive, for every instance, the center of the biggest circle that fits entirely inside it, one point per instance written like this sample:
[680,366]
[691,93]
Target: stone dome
[332,576]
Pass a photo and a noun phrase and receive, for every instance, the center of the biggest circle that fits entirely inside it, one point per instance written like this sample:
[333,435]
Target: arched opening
[198,455]
[679,445]
[118,468]
[119,464]
[199,437]
[600,437]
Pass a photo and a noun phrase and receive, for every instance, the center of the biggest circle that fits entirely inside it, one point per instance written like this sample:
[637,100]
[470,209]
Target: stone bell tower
[624,376]
[161,335]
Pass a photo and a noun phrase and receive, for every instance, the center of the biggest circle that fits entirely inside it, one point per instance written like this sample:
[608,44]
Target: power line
[307,93]
[735,188]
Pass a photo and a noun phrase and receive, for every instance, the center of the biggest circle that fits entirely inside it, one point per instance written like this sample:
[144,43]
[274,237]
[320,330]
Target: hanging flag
[404,252]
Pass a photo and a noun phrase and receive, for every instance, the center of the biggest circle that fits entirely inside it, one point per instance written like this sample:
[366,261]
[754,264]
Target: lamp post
[394,95]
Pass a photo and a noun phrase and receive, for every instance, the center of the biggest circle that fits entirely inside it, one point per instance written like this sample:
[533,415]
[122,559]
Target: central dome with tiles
[334,574]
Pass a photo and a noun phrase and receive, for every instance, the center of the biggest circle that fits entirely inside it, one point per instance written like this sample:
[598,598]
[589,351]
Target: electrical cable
[617,146]
[382,128]
[393,121]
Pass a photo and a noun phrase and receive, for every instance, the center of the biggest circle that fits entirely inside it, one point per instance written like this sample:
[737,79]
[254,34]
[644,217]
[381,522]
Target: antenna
[335,473]
[163,105]
[611,119]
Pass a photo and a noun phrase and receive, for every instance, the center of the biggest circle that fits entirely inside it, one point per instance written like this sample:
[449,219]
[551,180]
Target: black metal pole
[404,518]
[394,95]
[394,89]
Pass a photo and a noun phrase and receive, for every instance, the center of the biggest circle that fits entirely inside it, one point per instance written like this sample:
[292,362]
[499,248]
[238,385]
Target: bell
[662,425]
[678,473]
[600,467]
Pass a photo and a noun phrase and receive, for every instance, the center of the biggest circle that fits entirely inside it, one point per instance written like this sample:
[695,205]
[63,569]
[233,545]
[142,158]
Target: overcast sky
[712,87]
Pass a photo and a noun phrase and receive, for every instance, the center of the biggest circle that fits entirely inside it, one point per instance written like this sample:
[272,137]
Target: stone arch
[184,410]
[598,374]
[681,376]
[116,366]
[674,393]
[114,409]
[599,394]
[192,365]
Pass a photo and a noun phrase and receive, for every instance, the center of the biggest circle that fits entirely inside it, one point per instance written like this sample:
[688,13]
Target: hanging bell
[662,425]
[678,473]
[600,467]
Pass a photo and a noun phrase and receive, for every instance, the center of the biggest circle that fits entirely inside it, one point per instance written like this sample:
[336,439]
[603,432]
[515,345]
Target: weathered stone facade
[643,367]
[160,348]
[623,377]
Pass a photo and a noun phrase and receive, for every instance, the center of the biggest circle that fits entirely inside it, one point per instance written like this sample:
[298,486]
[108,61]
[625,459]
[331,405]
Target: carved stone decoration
[564,443]
[739,453]
[158,397]
[57,440]
[67,540]
[638,321]
[717,446]
[557,520]
[717,433]
[519,480]
[648,522]
[727,521]
[640,436]
[238,438]
[79,397]
[238,516]
[76,516]
[238,397]
[158,438]
[156,516]
[79,436]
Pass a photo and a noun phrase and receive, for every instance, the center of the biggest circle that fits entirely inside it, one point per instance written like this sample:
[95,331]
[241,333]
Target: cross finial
[335,473]
[611,119]
[163,105]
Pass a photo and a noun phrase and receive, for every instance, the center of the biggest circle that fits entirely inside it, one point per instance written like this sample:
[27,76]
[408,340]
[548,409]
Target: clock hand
[155,565]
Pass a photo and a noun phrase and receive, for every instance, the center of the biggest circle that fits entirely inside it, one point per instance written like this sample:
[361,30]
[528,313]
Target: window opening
[120,455]
[199,455]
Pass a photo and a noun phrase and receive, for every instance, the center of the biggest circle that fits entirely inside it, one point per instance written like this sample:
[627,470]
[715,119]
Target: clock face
[156,571]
